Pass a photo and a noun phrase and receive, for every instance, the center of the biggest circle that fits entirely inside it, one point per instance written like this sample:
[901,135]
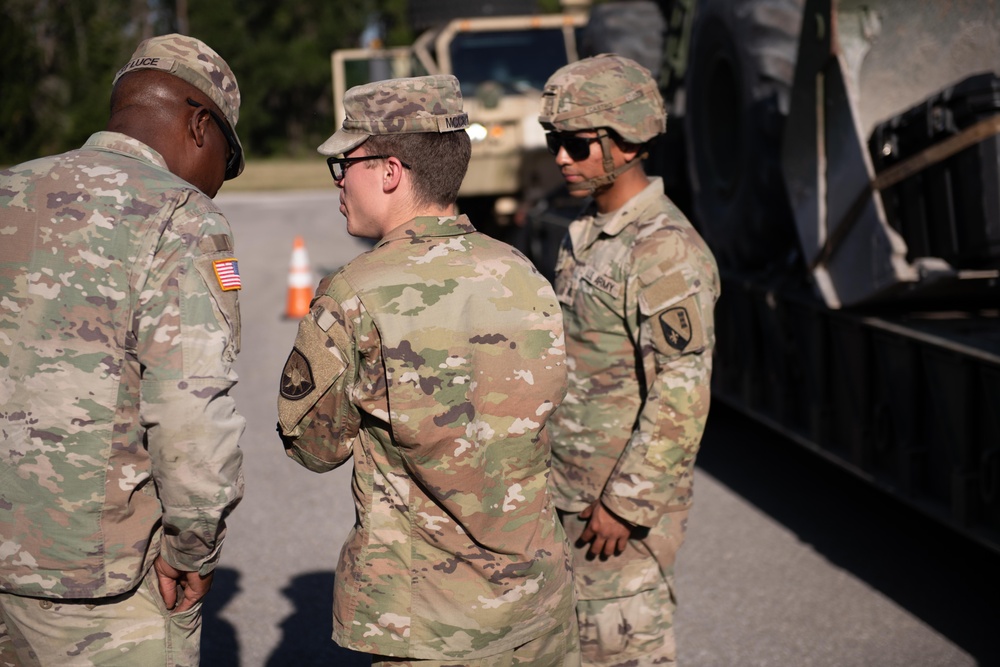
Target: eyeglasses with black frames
[577,147]
[235,152]
[338,165]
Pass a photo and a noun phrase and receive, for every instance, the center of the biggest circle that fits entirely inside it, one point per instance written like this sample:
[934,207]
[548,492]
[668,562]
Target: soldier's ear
[198,125]
[392,174]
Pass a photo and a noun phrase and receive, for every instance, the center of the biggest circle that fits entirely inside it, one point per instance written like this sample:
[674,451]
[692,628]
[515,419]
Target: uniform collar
[429,226]
[634,209]
[116,142]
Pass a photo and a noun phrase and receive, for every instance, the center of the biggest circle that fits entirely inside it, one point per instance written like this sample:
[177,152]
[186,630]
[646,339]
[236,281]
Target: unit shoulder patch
[297,377]
[679,328]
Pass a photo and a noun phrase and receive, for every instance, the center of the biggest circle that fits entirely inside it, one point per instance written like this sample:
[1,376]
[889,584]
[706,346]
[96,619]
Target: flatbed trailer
[907,401]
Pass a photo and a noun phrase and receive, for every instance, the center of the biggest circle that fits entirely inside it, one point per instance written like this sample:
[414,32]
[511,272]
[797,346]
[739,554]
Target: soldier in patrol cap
[435,359]
[120,328]
[638,287]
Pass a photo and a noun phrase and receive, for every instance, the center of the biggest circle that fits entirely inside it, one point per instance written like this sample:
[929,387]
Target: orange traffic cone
[300,282]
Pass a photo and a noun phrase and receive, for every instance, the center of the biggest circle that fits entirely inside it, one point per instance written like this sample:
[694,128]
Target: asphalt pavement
[788,562]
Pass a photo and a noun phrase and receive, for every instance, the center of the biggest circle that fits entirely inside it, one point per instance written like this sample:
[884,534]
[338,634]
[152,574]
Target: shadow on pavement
[305,635]
[946,580]
[220,646]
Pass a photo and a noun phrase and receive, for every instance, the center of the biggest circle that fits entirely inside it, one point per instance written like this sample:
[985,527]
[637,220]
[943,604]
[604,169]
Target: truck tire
[633,29]
[739,76]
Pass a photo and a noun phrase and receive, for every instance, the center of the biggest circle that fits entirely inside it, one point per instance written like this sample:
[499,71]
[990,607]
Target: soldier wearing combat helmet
[614,97]
[435,359]
[121,326]
[637,286]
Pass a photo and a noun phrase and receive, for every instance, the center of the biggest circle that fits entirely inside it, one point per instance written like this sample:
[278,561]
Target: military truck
[502,61]
[841,159]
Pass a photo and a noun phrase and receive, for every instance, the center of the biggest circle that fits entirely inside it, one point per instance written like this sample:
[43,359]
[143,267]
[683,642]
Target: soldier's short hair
[438,161]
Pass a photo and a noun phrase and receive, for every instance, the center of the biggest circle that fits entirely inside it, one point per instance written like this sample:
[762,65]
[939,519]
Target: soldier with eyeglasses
[638,286]
[434,360]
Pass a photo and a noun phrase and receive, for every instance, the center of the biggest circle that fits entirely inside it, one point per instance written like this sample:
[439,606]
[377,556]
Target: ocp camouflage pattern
[398,106]
[638,292]
[627,602]
[418,104]
[133,628]
[207,70]
[607,90]
[436,359]
[119,437]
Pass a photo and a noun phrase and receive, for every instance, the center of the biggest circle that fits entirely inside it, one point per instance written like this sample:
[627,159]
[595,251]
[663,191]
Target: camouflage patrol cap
[607,90]
[193,61]
[417,104]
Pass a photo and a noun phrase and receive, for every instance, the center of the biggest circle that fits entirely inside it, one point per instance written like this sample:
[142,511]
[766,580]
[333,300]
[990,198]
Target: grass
[281,174]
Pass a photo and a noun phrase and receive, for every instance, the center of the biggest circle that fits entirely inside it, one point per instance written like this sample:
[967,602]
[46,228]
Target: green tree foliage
[60,56]
[397,27]
[280,52]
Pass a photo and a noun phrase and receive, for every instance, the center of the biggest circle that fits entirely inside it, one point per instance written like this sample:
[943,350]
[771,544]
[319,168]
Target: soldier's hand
[180,589]
[607,533]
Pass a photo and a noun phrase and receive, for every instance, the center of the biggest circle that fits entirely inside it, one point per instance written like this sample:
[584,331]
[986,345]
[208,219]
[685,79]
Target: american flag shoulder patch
[228,273]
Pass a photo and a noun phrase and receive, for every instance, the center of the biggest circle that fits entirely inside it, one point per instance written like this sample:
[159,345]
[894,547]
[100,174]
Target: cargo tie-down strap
[931,155]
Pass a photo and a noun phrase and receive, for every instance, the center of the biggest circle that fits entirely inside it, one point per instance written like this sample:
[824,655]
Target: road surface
[788,562]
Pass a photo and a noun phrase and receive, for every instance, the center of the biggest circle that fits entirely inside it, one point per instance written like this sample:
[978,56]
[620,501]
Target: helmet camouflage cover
[604,91]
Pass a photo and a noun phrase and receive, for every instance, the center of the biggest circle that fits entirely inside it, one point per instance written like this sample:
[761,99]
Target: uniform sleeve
[317,418]
[675,305]
[187,337]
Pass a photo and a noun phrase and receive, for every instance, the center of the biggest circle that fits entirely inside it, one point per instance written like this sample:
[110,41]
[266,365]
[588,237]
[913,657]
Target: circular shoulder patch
[297,378]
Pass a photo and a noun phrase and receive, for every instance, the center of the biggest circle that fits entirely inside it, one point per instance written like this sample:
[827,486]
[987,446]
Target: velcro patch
[216,243]
[325,320]
[227,272]
[313,366]
[565,287]
[665,290]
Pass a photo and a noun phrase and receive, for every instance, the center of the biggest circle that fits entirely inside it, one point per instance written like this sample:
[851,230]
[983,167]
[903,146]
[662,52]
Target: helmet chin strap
[591,185]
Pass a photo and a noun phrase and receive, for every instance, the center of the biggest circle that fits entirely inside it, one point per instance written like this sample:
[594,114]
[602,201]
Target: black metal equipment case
[950,209]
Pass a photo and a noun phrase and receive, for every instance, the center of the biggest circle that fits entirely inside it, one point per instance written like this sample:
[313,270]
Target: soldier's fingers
[185,604]
[597,546]
[168,590]
[610,548]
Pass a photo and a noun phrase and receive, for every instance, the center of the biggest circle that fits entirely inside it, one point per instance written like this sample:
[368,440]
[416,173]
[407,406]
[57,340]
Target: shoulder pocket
[673,313]
[220,271]
[313,366]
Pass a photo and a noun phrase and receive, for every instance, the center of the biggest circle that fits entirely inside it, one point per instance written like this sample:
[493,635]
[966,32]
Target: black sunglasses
[578,148]
[338,165]
[235,152]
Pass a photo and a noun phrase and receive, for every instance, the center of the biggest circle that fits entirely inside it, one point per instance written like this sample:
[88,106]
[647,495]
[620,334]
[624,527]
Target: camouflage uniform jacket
[436,359]
[638,294]
[116,350]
